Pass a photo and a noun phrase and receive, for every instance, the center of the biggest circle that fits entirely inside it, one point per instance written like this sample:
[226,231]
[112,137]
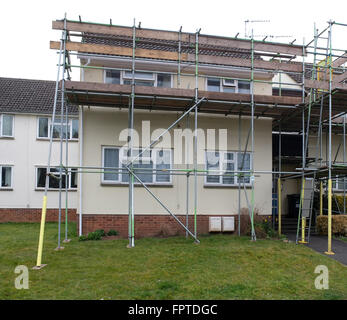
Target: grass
[221,267]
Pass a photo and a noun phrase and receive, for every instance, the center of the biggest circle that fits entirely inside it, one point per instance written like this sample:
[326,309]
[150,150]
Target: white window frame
[120,172]
[8,166]
[154,78]
[49,128]
[52,189]
[1,125]
[222,161]
[222,84]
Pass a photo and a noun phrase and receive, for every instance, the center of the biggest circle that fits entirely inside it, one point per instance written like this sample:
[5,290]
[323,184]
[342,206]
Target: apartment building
[25,121]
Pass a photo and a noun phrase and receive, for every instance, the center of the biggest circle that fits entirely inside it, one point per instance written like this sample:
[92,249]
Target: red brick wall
[152,225]
[33,215]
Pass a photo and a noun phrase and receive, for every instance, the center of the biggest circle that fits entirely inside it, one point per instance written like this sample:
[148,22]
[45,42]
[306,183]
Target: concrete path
[320,244]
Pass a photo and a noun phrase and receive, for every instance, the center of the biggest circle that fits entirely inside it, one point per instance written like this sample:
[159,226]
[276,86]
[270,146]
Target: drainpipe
[81,159]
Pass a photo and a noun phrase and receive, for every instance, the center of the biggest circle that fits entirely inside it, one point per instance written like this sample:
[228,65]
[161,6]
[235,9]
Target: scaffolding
[199,55]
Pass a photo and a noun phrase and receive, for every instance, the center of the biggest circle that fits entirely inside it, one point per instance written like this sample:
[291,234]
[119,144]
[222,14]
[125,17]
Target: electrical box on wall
[215,224]
[228,224]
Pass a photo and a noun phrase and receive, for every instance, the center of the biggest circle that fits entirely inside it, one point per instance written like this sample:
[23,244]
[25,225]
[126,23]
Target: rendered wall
[25,152]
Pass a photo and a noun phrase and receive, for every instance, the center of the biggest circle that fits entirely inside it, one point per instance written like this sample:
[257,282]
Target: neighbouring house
[25,121]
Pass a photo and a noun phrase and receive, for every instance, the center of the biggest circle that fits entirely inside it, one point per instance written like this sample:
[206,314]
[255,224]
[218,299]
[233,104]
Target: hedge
[339,225]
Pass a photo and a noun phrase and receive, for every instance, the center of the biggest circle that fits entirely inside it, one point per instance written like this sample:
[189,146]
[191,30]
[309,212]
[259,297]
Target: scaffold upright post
[329,251]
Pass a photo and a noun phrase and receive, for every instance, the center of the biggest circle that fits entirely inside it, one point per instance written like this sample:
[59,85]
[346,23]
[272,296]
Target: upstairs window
[164,80]
[142,78]
[6,125]
[5,177]
[45,126]
[112,76]
[228,85]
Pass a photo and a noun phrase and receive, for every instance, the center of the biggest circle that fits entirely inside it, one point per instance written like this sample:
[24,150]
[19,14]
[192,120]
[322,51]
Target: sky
[26,25]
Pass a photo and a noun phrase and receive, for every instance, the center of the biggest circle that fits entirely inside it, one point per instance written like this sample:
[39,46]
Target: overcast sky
[26,25]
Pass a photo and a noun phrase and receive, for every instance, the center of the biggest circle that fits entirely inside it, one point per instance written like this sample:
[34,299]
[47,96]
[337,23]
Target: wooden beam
[324,85]
[168,55]
[339,61]
[340,77]
[119,51]
[179,93]
[294,50]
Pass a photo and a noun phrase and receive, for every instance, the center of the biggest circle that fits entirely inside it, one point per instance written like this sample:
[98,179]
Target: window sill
[56,139]
[63,189]
[236,186]
[6,189]
[7,138]
[117,184]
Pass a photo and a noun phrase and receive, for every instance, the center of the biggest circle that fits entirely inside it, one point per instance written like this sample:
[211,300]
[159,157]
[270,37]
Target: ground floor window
[54,178]
[5,177]
[221,167]
[339,184]
[148,166]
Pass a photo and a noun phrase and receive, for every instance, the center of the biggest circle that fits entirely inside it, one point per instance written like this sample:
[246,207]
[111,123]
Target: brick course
[145,225]
[33,215]
[154,225]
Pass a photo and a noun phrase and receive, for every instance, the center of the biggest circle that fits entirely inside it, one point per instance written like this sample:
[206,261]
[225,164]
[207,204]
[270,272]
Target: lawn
[221,267]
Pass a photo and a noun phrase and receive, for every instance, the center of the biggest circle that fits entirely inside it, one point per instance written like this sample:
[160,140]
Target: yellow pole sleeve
[303,225]
[279,205]
[42,231]
[329,216]
[321,199]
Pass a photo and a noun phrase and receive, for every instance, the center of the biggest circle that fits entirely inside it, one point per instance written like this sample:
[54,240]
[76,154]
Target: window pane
[43,127]
[139,75]
[229,178]
[213,84]
[6,177]
[111,160]
[74,128]
[41,177]
[164,80]
[212,159]
[244,87]
[54,179]
[73,182]
[144,162]
[163,162]
[243,164]
[57,129]
[112,76]
[7,123]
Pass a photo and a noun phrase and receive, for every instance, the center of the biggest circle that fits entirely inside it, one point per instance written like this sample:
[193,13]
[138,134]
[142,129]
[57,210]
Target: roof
[29,96]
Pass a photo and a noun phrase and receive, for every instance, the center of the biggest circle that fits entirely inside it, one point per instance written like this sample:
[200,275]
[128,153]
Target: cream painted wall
[25,152]
[102,127]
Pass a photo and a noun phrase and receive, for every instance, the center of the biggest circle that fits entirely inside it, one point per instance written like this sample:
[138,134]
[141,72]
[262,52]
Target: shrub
[82,238]
[94,235]
[339,225]
[101,232]
[112,232]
